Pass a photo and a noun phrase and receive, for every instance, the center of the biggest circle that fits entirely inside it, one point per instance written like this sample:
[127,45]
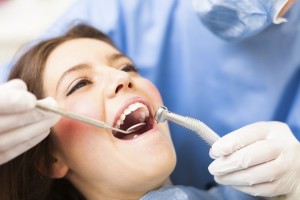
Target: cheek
[69,131]
[149,88]
[66,130]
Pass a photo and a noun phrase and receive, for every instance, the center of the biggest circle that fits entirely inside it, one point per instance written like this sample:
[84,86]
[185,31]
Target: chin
[156,177]
[159,168]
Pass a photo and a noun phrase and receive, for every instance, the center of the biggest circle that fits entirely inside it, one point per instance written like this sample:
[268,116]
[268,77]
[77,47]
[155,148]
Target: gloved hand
[261,159]
[21,124]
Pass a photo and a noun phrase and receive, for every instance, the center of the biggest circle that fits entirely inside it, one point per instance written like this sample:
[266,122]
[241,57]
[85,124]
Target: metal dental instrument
[136,127]
[81,118]
[209,136]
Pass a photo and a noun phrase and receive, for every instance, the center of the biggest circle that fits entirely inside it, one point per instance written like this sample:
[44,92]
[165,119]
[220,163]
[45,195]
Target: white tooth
[127,111]
[143,116]
[133,107]
[141,105]
[119,122]
[123,116]
[135,136]
[136,106]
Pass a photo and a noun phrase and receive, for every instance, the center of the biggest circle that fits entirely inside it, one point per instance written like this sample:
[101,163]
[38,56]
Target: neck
[106,192]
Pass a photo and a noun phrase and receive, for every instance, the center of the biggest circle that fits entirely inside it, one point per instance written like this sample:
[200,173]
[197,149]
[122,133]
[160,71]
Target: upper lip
[129,102]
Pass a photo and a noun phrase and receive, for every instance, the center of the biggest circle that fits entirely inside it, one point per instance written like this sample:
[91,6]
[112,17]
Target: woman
[86,74]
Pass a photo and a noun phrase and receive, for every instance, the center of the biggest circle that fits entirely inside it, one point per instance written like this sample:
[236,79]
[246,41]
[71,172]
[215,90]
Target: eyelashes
[79,83]
[84,81]
[129,68]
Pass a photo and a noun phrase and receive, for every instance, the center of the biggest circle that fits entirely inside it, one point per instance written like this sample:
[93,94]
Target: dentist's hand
[261,159]
[21,124]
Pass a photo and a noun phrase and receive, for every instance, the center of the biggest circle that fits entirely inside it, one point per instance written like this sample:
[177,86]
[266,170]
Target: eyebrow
[111,58]
[72,69]
[116,56]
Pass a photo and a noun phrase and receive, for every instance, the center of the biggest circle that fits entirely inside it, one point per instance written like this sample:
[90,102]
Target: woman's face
[92,78]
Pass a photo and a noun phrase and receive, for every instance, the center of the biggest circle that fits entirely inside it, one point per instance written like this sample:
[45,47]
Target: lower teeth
[135,136]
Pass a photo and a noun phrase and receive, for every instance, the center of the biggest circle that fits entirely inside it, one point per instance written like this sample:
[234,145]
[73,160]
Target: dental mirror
[136,127]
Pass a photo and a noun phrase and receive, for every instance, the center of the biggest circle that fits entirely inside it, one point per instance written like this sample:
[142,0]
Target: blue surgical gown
[179,192]
[226,85]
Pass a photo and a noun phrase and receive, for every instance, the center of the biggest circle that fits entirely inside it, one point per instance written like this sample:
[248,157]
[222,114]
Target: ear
[58,167]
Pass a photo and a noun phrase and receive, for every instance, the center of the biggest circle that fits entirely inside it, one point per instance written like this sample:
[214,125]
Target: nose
[120,81]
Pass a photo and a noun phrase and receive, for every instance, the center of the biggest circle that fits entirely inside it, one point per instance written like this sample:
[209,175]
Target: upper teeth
[129,110]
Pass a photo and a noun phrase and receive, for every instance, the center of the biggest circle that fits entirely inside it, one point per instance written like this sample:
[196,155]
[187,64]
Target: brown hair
[19,178]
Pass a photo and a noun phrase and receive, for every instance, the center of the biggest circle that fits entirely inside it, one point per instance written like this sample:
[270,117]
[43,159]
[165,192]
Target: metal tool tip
[160,114]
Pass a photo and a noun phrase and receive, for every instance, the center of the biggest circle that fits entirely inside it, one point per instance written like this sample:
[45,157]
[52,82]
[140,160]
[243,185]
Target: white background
[24,20]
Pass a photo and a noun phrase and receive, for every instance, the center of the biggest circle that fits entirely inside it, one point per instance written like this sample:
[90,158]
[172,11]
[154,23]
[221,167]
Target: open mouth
[134,114]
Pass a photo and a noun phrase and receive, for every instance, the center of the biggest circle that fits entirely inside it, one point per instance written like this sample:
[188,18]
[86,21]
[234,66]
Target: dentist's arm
[261,159]
[21,124]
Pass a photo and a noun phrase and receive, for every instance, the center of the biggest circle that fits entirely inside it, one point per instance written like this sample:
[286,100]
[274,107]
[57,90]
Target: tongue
[129,136]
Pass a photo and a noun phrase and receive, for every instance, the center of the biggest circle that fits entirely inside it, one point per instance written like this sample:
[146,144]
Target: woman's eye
[129,68]
[81,83]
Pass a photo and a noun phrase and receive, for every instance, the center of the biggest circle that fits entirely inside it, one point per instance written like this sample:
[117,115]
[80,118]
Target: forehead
[77,51]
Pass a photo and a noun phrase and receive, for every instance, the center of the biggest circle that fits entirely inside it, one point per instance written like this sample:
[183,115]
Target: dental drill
[202,130]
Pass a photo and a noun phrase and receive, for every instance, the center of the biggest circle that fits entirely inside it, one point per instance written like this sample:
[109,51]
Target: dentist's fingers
[264,189]
[21,124]
[9,139]
[240,138]
[254,175]
[13,121]
[271,189]
[22,130]
[254,154]
[14,84]
[15,98]
[264,160]
[18,149]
